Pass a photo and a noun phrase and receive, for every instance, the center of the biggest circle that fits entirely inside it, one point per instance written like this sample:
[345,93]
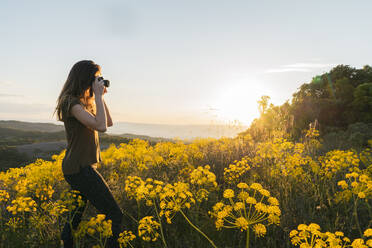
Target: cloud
[287,70]
[10,95]
[299,67]
[23,108]
[6,83]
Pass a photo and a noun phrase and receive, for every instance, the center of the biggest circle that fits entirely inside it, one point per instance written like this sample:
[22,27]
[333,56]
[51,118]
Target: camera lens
[106,82]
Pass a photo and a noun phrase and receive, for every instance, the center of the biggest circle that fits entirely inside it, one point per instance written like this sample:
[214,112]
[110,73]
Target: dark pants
[94,188]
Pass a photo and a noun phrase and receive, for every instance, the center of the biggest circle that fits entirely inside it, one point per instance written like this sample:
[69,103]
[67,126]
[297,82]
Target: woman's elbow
[101,129]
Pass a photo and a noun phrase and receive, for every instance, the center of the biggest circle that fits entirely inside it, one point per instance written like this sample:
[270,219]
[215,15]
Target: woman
[83,111]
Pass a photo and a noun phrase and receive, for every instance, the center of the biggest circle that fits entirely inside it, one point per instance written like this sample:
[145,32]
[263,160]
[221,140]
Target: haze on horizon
[176,62]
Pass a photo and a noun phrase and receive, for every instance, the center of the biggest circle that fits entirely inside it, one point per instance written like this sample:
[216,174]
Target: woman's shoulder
[74,100]
[69,102]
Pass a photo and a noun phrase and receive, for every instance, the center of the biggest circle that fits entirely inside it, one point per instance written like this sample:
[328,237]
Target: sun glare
[239,102]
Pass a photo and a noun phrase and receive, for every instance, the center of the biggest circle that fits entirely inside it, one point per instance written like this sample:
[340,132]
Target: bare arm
[97,122]
[108,116]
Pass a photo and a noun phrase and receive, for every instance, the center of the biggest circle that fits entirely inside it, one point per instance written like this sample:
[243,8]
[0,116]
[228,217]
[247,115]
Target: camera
[105,81]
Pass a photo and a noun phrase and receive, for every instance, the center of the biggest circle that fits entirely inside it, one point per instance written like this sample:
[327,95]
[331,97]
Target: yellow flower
[251,200]
[243,195]
[302,227]
[293,233]
[264,192]
[342,184]
[259,229]
[368,232]
[147,229]
[236,170]
[313,227]
[361,195]
[4,196]
[228,193]
[369,243]
[238,206]
[242,186]
[219,224]
[354,184]
[256,215]
[256,186]
[358,243]
[125,237]
[273,201]
[241,223]
[201,176]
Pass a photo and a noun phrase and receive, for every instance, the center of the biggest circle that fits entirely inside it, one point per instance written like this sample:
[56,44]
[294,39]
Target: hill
[23,142]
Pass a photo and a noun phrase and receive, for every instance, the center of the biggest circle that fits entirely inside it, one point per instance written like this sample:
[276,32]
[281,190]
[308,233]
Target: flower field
[228,192]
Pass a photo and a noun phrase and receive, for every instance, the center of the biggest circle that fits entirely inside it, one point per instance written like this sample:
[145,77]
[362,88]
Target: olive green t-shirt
[82,144]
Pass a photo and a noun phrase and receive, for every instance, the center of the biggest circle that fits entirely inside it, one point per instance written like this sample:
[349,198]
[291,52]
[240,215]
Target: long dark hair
[80,78]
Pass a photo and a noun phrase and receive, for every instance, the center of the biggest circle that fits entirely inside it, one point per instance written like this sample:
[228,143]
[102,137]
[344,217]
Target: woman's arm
[108,116]
[97,122]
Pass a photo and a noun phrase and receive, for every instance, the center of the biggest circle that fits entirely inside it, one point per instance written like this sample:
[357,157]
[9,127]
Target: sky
[172,61]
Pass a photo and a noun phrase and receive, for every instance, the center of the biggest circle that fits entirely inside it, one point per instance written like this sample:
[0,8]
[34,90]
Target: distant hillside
[23,142]
[153,132]
[13,136]
[20,132]
[31,126]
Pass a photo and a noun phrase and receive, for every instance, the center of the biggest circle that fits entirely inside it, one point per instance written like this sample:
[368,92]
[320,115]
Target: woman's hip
[88,181]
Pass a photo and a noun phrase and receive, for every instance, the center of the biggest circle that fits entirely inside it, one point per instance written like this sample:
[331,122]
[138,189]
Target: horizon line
[141,123]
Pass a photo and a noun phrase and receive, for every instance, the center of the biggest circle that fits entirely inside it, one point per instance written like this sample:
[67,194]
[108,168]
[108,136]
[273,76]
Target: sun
[238,101]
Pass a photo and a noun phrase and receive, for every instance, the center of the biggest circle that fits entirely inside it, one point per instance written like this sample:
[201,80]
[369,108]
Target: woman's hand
[98,87]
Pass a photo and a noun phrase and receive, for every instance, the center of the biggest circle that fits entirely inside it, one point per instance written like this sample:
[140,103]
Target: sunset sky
[176,62]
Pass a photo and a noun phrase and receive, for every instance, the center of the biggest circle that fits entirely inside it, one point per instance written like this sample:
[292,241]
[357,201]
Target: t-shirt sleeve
[73,102]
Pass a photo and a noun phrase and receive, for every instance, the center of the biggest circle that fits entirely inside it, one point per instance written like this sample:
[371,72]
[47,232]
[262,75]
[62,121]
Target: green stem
[161,226]
[197,229]
[247,240]
[356,217]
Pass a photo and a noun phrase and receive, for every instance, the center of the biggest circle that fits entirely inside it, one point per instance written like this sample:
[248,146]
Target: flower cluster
[96,226]
[14,223]
[252,207]
[357,184]
[22,204]
[125,237]
[147,229]
[44,193]
[173,198]
[202,180]
[312,132]
[147,190]
[4,196]
[236,170]
[140,155]
[289,158]
[309,236]
[55,209]
[202,176]
[70,200]
[336,161]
